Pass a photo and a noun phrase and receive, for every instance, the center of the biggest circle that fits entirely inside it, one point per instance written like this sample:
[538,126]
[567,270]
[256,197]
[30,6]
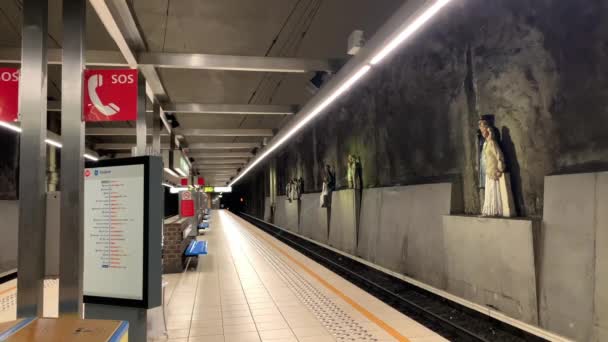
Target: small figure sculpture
[288,191]
[329,184]
[293,189]
[497,194]
[354,172]
[296,188]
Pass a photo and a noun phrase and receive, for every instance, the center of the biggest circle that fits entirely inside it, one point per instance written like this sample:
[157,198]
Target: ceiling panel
[11,18]
[212,26]
[209,86]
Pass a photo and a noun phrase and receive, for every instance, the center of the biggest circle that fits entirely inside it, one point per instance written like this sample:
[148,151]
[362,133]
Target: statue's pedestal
[490,261]
[343,220]
[287,214]
[314,222]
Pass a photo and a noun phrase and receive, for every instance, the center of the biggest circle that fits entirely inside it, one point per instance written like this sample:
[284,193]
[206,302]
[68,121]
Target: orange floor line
[390,330]
[8,290]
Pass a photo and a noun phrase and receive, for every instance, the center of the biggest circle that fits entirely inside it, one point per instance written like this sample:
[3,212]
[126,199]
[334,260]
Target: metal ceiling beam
[234,165]
[246,109]
[93,57]
[210,176]
[220,173]
[237,63]
[219,161]
[239,132]
[217,168]
[121,146]
[109,131]
[222,146]
[130,131]
[221,155]
[200,108]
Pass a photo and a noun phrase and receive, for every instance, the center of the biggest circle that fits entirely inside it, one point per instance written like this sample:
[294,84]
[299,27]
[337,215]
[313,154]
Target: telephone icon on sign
[95,82]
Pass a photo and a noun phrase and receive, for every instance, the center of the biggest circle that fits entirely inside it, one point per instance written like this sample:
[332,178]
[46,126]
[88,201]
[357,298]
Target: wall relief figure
[353,174]
[293,189]
[497,198]
[329,184]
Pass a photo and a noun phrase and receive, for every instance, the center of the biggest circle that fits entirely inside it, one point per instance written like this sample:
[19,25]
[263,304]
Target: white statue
[496,195]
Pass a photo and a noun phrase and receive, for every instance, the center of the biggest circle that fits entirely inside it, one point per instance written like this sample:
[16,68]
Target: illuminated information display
[114,232]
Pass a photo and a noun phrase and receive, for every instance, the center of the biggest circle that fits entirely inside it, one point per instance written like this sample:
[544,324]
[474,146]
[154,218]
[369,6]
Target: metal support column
[156,128]
[141,125]
[32,159]
[72,163]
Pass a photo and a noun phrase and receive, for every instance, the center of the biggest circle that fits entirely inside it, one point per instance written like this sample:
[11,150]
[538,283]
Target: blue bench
[195,248]
[203,225]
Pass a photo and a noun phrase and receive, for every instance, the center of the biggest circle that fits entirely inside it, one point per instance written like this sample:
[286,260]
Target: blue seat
[203,225]
[196,248]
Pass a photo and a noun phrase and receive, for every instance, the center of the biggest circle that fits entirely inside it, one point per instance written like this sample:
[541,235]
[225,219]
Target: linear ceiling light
[409,30]
[365,65]
[182,173]
[171,172]
[90,157]
[10,126]
[51,142]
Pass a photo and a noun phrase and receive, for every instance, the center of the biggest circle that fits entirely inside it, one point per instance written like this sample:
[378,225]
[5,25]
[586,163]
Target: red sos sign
[9,94]
[110,95]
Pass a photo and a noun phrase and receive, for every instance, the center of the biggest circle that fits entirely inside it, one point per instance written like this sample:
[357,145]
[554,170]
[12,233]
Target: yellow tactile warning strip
[373,318]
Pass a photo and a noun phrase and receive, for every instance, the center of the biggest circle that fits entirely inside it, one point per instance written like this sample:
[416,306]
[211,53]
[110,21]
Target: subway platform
[252,287]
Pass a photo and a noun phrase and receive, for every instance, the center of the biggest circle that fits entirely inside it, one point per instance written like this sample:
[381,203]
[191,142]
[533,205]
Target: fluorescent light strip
[10,126]
[90,157]
[51,142]
[182,173]
[343,88]
[168,185]
[409,30]
[175,189]
[169,171]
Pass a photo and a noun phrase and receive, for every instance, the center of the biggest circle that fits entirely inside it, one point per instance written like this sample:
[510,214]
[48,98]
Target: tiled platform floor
[252,287]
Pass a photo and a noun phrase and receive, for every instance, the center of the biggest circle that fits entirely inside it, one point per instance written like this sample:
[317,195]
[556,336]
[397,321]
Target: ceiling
[314,29]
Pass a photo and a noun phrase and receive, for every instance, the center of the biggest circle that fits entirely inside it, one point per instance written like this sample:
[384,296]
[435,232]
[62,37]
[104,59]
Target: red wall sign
[187,208]
[9,94]
[187,205]
[184,181]
[110,95]
[201,181]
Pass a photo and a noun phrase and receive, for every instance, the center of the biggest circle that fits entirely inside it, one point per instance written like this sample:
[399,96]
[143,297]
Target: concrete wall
[342,221]
[371,203]
[53,231]
[313,218]
[286,215]
[573,256]
[267,209]
[601,259]
[490,261]
[9,214]
[401,228]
